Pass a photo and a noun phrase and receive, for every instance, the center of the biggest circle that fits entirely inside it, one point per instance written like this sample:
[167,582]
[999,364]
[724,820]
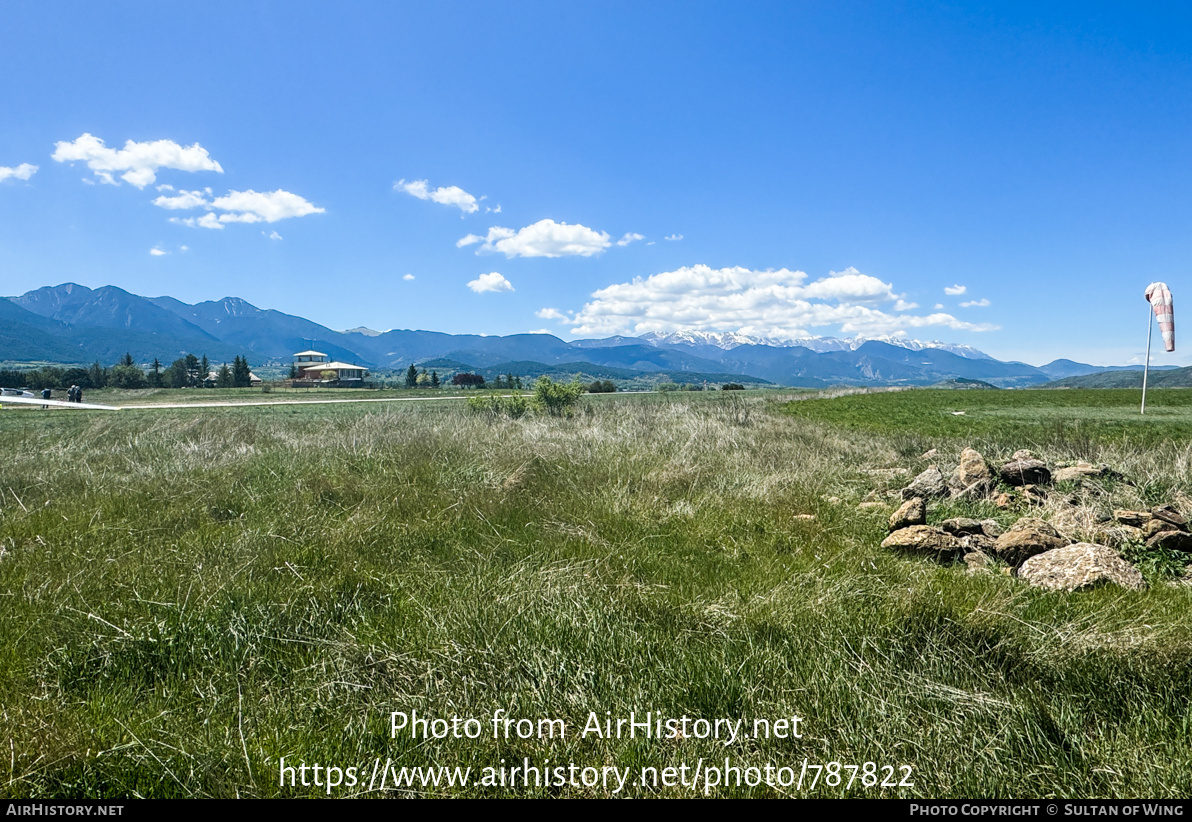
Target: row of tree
[185,372]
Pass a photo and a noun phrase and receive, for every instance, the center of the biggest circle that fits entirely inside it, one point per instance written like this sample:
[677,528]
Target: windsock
[1160,299]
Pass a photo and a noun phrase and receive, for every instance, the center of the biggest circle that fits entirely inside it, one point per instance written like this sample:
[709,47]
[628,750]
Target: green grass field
[188,596]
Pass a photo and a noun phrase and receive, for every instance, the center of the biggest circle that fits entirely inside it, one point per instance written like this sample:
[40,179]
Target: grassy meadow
[189,595]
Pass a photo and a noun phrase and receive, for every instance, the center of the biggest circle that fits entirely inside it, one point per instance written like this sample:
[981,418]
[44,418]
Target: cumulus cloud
[273,235]
[408,277]
[157,252]
[22,172]
[545,238]
[783,304]
[955,290]
[183,200]
[140,162]
[238,207]
[551,314]
[673,237]
[490,282]
[447,195]
[981,303]
[270,206]
[208,220]
[629,238]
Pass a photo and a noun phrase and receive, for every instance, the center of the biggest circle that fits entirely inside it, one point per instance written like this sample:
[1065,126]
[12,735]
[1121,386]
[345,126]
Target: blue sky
[595,168]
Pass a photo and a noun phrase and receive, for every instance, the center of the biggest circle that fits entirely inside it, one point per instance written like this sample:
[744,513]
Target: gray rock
[978,562]
[1136,519]
[979,542]
[1025,472]
[961,526]
[1115,536]
[1027,538]
[1155,527]
[1079,471]
[928,484]
[1171,541]
[912,512]
[1169,514]
[972,474]
[924,540]
[992,528]
[1023,454]
[1079,566]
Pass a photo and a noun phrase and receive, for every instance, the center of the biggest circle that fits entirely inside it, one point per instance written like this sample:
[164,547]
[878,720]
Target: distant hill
[1166,378]
[1060,369]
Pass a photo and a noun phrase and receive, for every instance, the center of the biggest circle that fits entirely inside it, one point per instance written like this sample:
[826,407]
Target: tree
[193,368]
[204,369]
[424,380]
[155,374]
[465,380]
[434,379]
[225,379]
[98,375]
[127,376]
[241,373]
[127,359]
[411,376]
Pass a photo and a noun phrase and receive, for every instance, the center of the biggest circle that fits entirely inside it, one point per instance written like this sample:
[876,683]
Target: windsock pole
[1150,326]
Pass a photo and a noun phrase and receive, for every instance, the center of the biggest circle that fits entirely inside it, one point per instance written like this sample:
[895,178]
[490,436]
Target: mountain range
[70,323]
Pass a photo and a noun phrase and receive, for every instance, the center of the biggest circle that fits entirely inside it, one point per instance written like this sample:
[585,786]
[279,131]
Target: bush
[732,386]
[668,386]
[513,406]
[602,387]
[556,398]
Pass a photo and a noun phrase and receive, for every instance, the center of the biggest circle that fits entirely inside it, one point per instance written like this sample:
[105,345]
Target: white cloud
[781,304]
[496,210]
[157,252]
[673,237]
[239,207]
[408,277]
[545,238]
[551,314]
[938,306]
[183,200]
[490,282]
[447,195]
[22,172]
[981,303]
[955,290]
[268,206]
[139,161]
[629,238]
[273,235]
[208,220]
[184,248]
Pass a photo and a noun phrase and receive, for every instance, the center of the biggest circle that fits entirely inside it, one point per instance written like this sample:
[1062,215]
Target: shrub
[602,387]
[732,386]
[556,398]
[513,406]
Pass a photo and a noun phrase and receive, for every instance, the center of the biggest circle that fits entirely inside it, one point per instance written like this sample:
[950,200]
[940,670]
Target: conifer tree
[411,376]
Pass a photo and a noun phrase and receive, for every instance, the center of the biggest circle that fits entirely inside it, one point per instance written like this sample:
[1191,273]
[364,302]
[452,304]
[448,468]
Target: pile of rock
[1032,548]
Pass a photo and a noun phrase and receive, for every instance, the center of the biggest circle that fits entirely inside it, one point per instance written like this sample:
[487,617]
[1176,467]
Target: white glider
[28,399]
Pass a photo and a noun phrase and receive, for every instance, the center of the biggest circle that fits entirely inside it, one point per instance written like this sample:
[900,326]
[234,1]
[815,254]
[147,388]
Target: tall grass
[188,596]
